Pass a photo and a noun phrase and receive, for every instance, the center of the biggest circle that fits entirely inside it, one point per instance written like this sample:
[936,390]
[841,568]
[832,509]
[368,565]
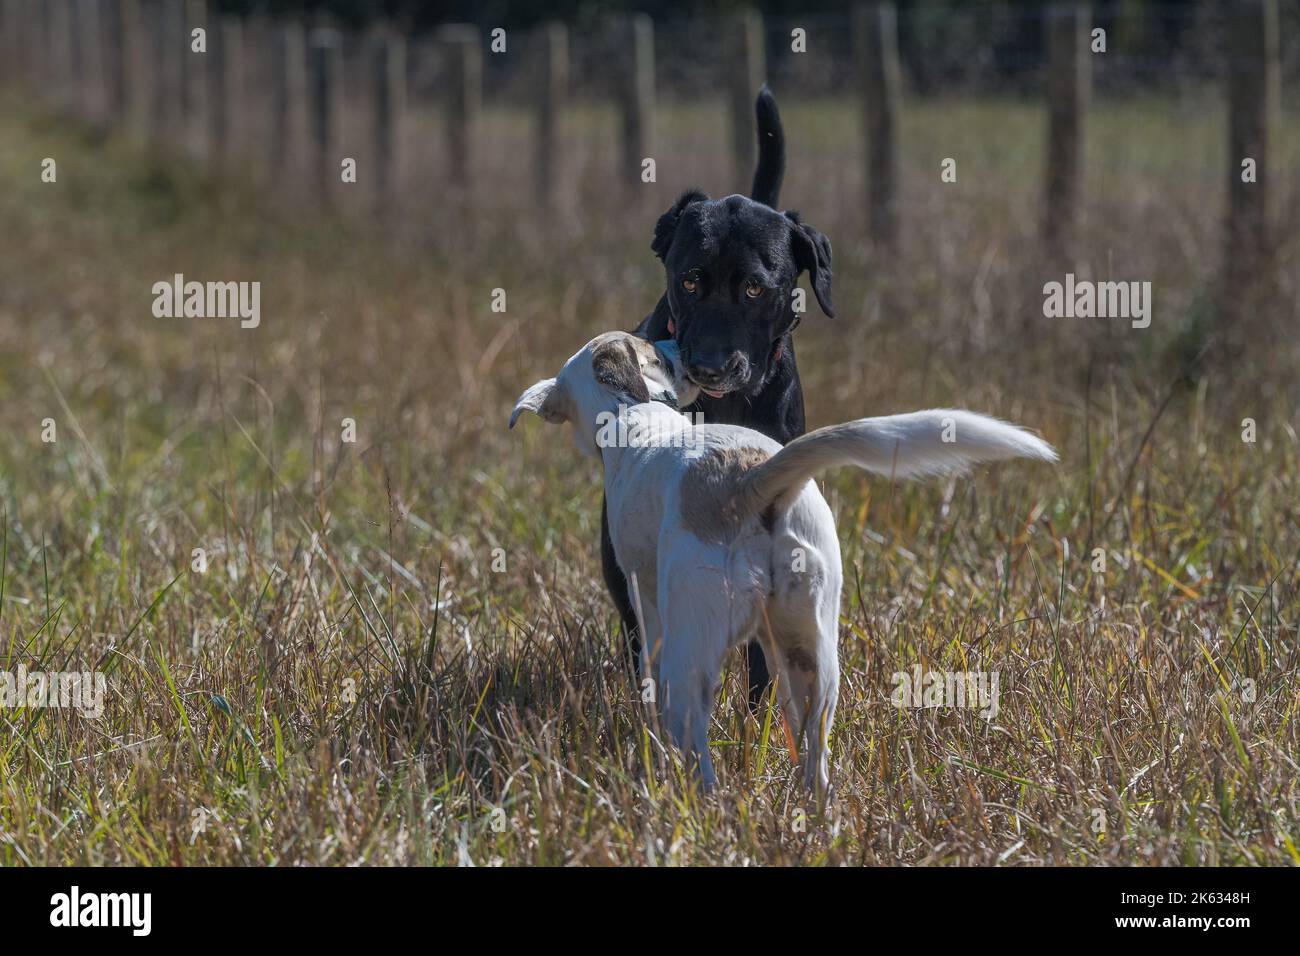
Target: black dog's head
[733,265]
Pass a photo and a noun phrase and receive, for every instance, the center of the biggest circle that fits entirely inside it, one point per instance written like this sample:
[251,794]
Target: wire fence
[362,120]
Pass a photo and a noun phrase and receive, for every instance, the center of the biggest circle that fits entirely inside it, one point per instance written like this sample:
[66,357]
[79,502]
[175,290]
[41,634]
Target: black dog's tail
[771,150]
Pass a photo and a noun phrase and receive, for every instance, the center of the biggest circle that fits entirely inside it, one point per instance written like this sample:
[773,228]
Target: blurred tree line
[1005,37]
[1137,17]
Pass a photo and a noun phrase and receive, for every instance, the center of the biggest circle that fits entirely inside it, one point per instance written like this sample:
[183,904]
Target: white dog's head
[613,369]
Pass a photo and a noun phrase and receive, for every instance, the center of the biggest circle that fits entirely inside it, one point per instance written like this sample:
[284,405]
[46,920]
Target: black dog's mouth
[720,386]
[737,377]
[718,391]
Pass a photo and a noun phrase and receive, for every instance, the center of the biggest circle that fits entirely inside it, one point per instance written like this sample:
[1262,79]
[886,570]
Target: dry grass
[491,720]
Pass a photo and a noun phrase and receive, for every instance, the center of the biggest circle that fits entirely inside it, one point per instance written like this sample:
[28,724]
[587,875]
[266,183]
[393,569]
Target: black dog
[732,266]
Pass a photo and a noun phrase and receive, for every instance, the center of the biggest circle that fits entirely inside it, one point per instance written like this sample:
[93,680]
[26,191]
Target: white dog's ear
[546,399]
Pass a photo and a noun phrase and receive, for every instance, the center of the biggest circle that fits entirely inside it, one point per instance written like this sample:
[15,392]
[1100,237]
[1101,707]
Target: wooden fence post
[23,49]
[133,51]
[159,72]
[11,46]
[1254,72]
[90,41]
[168,47]
[21,41]
[36,32]
[552,93]
[876,39]
[70,59]
[324,68]
[61,53]
[235,38]
[1069,78]
[194,77]
[1069,82]
[464,57]
[388,80]
[77,38]
[95,54]
[225,69]
[45,25]
[116,88]
[288,51]
[637,98]
[745,65]
[256,87]
[9,50]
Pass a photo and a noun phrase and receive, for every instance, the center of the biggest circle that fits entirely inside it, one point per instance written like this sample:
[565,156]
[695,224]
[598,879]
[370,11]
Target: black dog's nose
[715,369]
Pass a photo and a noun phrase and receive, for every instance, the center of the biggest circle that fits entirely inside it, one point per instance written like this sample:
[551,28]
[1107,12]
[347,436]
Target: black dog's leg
[617,585]
[759,679]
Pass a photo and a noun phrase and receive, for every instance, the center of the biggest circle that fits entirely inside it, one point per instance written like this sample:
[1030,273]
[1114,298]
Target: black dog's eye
[753,289]
[689,283]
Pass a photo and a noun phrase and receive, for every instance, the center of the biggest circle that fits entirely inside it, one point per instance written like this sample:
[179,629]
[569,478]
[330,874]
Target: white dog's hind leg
[804,617]
[820,687]
[698,616]
[810,669]
[687,691]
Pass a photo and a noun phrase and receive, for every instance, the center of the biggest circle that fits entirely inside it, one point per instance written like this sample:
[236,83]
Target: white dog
[723,535]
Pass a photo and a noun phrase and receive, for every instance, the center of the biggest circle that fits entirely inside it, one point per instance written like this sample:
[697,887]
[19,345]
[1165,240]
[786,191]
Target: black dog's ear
[812,253]
[667,224]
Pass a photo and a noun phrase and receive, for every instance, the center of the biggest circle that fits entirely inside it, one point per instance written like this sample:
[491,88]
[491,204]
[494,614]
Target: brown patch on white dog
[801,658]
[617,364]
[709,504]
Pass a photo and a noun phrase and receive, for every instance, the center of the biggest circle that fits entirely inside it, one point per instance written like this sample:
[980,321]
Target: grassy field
[355,680]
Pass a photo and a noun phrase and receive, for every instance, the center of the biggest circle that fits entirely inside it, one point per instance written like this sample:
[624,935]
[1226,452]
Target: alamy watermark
[133,911]
[627,428]
[179,299]
[933,689]
[82,690]
[1084,299]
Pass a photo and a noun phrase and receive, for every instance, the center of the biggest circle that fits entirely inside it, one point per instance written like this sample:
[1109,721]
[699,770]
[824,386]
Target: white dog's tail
[937,441]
